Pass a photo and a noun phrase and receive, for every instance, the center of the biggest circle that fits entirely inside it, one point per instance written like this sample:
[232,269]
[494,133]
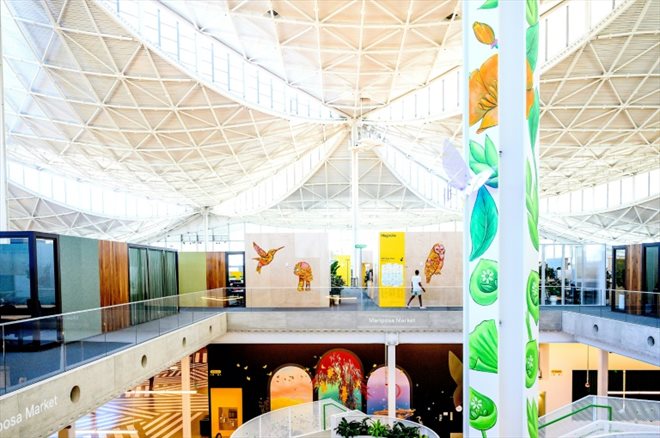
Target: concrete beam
[46,407]
[639,342]
[400,321]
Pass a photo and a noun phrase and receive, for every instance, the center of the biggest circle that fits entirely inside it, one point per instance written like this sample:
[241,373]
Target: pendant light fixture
[587,384]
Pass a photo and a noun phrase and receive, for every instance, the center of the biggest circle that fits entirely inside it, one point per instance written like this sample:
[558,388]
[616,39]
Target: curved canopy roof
[247,108]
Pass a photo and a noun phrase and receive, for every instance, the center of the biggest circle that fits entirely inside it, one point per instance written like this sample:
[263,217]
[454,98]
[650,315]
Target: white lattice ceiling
[88,98]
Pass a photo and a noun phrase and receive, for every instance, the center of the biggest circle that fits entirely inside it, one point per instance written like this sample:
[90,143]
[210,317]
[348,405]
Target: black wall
[427,366]
[636,380]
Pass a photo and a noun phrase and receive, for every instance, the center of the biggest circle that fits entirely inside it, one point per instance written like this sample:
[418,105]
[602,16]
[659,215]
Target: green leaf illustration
[477,153]
[532,41]
[485,158]
[489,4]
[483,223]
[492,156]
[533,295]
[533,120]
[483,411]
[532,203]
[531,363]
[483,347]
[532,419]
[483,282]
[532,12]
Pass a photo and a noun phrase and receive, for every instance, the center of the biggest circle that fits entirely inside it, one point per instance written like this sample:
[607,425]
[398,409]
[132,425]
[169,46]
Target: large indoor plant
[336,283]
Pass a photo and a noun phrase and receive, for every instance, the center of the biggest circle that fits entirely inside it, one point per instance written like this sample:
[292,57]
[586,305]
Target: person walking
[417,289]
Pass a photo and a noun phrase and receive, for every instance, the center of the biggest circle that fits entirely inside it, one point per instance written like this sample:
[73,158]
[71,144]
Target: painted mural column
[501,297]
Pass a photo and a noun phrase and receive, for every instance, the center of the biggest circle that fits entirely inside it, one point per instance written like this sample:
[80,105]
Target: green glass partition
[152,275]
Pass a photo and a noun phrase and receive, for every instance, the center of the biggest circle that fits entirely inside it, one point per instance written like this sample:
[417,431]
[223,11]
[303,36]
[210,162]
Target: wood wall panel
[634,278]
[216,270]
[113,276]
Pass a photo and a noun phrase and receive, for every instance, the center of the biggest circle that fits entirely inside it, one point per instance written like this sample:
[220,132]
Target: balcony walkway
[67,351]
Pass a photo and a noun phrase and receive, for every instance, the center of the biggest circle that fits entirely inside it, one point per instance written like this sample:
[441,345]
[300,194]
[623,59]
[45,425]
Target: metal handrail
[570,414]
[325,406]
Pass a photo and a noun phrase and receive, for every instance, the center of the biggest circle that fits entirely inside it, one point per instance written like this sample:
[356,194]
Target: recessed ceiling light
[271,13]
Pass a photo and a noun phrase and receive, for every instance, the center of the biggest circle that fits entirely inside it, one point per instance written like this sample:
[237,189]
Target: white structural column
[513,228]
[186,416]
[4,209]
[205,214]
[392,340]
[355,209]
[603,368]
[501,281]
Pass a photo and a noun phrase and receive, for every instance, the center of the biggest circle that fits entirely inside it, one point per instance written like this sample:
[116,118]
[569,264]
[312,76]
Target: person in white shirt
[417,289]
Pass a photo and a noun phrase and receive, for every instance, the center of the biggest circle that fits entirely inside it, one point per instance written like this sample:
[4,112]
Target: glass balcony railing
[37,348]
[637,303]
[634,307]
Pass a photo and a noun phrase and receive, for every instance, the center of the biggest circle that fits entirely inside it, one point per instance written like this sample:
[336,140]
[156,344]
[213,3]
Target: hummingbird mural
[435,261]
[264,258]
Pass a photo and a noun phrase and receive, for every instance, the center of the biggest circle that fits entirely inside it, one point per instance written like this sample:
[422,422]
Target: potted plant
[336,283]
[402,431]
[348,429]
[378,429]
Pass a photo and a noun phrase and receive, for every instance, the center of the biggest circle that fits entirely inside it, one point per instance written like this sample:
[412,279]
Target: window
[651,279]
[651,267]
[618,280]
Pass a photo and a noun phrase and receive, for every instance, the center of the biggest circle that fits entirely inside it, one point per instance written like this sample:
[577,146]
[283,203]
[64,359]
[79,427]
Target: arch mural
[339,376]
[377,393]
[290,385]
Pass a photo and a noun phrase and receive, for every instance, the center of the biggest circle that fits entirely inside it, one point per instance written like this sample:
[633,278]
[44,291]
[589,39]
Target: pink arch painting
[377,391]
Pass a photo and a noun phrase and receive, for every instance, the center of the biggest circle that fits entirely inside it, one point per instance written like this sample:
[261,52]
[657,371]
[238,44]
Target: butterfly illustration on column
[264,258]
[458,171]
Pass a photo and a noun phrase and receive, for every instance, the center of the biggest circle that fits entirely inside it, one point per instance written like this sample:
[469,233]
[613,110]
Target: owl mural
[434,261]
[304,272]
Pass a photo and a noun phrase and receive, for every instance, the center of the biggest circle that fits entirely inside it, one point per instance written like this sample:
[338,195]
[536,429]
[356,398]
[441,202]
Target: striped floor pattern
[151,415]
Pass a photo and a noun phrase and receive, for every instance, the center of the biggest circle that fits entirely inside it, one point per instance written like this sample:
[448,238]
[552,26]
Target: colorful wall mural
[290,385]
[264,257]
[304,273]
[339,376]
[253,367]
[434,262]
[377,393]
[439,258]
[297,275]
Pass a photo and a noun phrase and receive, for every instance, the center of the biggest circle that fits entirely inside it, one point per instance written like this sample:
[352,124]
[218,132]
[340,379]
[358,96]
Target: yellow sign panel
[391,278]
[344,270]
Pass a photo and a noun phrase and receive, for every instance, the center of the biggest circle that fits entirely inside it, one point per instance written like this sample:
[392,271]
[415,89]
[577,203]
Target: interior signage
[33,410]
